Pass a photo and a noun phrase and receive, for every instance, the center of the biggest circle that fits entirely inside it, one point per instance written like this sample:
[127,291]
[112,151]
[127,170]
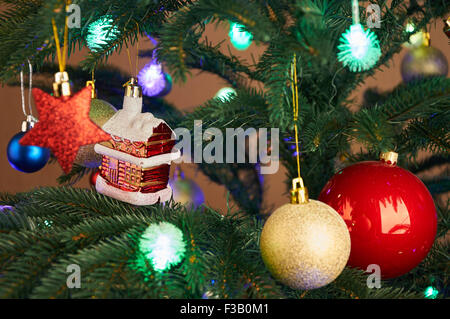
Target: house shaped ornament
[136,160]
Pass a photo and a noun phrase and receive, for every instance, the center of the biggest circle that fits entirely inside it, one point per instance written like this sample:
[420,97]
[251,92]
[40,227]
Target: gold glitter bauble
[305,246]
[99,113]
[423,62]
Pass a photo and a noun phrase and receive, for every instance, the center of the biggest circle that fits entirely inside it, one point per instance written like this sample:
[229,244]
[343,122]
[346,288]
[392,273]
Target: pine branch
[186,26]
[443,213]
[416,99]
[372,128]
[21,40]
[34,261]
[438,186]
[242,180]
[427,134]
[428,163]
[246,109]
[74,176]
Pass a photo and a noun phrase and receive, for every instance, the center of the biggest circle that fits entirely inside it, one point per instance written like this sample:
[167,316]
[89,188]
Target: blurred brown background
[198,89]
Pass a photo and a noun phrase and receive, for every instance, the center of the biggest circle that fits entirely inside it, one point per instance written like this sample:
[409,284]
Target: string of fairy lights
[359,50]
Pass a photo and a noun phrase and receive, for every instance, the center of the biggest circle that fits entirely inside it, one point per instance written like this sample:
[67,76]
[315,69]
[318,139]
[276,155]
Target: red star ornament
[64,125]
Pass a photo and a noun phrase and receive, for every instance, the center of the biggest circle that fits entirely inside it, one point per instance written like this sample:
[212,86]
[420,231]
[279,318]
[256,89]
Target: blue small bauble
[27,159]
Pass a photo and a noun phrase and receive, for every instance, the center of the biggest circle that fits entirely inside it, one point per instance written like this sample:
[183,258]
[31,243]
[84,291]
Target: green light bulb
[162,245]
[410,27]
[241,40]
[101,32]
[224,94]
[359,49]
[431,292]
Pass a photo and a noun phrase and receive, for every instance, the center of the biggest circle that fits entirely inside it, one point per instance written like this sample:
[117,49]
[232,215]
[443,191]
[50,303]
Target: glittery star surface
[64,125]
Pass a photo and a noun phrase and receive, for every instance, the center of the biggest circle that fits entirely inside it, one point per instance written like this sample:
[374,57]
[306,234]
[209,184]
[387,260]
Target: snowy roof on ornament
[131,124]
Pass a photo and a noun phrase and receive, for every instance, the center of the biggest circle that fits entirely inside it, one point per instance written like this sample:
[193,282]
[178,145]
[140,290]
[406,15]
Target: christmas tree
[316,53]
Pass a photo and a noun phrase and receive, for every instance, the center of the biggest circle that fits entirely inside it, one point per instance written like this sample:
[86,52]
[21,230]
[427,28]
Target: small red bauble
[389,212]
[93,177]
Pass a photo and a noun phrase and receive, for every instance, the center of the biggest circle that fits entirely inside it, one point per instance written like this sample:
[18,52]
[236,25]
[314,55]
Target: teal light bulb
[359,49]
[241,40]
[224,94]
[431,292]
[101,32]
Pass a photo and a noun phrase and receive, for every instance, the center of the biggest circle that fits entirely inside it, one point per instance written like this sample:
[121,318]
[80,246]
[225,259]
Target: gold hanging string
[137,57]
[66,37]
[294,88]
[133,79]
[137,50]
[129,61]
[91,83]
[58,48]
[299,193]
[61,55]
[132,87]
[61,85]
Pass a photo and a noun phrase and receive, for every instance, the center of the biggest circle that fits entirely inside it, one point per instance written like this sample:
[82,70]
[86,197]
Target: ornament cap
[299,193]
[426,41]
[447,27]
[61,86]
[132,89]
[417,37]
[28,123]
[420,38]
[178,173]
[389,157]
[94,91]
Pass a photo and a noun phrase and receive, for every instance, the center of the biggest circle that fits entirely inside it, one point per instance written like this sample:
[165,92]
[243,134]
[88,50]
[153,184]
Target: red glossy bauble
[389,212]
[93,177]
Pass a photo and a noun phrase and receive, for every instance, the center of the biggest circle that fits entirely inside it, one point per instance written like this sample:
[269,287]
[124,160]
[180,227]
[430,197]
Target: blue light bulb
[153,80]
